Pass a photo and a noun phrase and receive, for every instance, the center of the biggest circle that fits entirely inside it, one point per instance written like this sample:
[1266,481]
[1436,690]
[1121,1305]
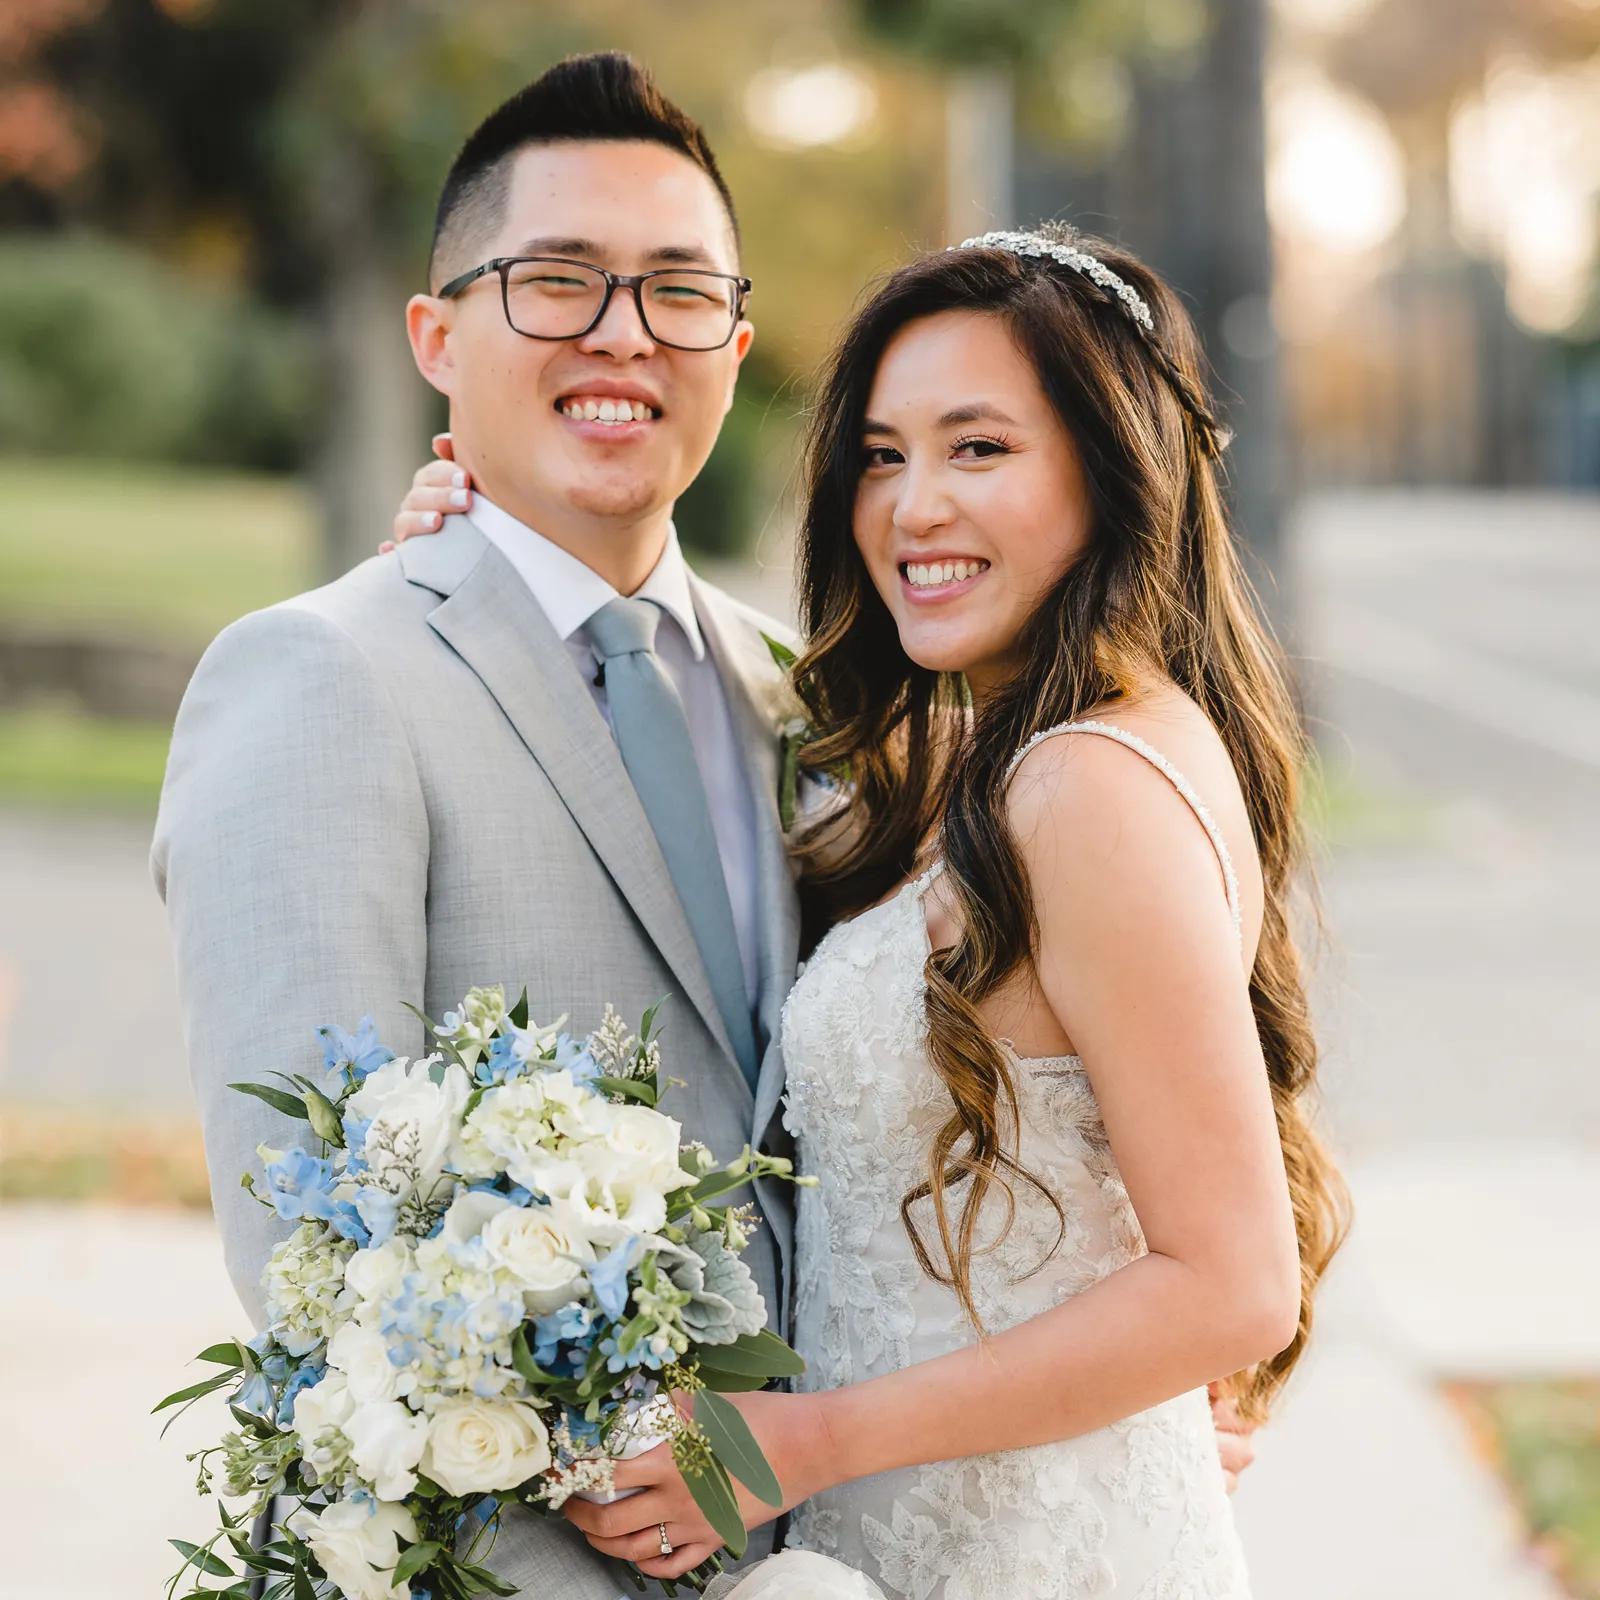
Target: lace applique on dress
[1137,1509]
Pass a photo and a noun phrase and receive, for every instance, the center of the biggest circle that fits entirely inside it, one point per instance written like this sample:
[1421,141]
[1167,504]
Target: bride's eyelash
[1001,445]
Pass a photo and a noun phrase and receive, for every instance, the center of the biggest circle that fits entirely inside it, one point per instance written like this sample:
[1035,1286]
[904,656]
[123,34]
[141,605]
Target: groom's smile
[569,294]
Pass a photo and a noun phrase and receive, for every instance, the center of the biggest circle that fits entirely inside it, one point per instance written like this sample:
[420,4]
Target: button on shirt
[569,593]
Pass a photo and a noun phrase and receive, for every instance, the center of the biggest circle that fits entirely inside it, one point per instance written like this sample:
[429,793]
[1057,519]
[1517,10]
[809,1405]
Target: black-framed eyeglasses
[549,297]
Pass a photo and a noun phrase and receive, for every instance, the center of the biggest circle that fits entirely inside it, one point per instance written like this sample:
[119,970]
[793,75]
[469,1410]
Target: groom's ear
[428,323]
[743,337]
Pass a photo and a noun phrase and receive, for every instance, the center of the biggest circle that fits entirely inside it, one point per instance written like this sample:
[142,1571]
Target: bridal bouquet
[507,1258]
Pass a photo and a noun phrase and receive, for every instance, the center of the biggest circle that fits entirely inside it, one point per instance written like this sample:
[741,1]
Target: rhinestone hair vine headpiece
[1214,438]
[1033,244]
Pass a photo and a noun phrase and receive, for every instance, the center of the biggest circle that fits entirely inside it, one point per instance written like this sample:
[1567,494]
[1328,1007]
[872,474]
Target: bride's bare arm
[1139,961]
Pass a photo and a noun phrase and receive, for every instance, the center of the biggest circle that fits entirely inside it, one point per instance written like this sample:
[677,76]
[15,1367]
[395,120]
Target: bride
[1047,1060]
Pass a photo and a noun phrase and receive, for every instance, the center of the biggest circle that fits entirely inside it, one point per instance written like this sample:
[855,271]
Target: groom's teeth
[608,410]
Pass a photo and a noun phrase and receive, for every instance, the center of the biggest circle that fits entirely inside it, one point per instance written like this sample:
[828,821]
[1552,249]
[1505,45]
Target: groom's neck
[623,550]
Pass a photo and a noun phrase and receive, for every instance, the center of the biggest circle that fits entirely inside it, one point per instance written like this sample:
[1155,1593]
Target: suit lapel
[489,618]
[759,702]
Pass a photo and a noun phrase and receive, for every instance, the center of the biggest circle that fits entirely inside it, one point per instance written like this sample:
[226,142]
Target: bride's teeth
[625,411]
[961,571]
[608,410]
[591,410]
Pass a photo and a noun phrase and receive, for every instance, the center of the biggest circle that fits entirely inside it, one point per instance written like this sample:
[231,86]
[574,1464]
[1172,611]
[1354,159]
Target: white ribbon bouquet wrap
[506,1262]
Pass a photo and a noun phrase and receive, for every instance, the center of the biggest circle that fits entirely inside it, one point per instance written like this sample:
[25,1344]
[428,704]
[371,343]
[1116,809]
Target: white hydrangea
[453,1322]
[304,1288]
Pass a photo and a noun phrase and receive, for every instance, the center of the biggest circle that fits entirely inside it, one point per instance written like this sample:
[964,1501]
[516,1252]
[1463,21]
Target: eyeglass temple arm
[456,285]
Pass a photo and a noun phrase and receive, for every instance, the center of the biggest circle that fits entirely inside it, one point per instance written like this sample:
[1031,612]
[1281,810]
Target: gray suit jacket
[398,786]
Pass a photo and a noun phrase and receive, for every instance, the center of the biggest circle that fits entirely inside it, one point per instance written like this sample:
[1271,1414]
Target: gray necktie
[653,734]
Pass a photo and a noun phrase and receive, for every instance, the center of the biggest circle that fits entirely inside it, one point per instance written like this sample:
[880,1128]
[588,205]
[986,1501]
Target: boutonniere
[794,734]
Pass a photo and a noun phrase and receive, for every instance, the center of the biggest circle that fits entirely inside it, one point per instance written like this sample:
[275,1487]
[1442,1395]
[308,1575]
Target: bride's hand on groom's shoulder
[788,1428]
[1236,1438]
[439,489]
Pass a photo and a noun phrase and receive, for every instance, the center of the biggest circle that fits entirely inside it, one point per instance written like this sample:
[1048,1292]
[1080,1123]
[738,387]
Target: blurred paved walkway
[1459,688]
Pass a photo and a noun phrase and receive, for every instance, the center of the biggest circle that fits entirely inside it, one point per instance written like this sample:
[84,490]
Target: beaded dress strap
[1133,742]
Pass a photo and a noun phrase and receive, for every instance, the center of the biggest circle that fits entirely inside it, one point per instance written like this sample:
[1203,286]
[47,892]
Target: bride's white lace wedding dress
[1138,1508]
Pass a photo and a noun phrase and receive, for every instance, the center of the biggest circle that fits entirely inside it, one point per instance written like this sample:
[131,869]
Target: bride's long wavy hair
[1158,590]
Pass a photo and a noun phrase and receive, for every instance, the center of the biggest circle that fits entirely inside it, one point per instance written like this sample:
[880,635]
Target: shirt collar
[568,592]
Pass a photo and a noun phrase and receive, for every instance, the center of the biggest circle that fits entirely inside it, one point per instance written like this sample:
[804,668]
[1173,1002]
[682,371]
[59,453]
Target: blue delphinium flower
[609,1278]
[378,1211]
[298,1186]
[356,1054]
[503,1061]
[303,1377]
[573,1054]
[255,1395]
[355,1142]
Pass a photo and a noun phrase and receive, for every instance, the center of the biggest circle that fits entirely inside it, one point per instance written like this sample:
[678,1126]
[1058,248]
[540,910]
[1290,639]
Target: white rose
[468,1213]
[648,1142]
[543,1248]
[386,1443]
[377,1276]
[414,1121]
[321,1411]
[556,1176]
[476,1447]
[362,1355]
[351,1538]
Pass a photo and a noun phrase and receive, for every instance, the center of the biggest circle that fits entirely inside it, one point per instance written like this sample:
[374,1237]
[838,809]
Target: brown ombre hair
[1157,592]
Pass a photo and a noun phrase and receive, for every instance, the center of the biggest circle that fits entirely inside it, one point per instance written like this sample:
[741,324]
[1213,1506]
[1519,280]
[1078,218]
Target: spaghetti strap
[1133,742]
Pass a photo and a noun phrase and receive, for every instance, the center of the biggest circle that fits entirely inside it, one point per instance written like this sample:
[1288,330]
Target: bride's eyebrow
[871,425]
[979,411]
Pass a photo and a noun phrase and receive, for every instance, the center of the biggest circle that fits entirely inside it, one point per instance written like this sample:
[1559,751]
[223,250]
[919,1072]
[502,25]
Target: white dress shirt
[569,593]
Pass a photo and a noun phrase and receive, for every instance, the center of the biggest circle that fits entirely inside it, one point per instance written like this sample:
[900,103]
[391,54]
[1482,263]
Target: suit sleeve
[292,851]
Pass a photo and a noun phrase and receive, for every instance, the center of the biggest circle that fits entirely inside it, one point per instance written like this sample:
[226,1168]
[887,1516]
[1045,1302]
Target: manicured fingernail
[458,497]
[433,519]
[459,479]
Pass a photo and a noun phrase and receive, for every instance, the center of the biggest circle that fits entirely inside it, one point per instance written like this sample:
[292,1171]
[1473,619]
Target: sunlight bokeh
[1525,183]
[1335,176]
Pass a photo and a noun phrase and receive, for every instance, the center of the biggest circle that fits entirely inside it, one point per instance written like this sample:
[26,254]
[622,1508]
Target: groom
[534,747]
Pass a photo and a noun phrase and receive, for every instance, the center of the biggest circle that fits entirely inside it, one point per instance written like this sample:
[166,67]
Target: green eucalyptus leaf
[761,1354]
[225,1354]
[291,1105]
[195,1390]
[194,1556]
[736,1447]
[628,1088]
[713,1493]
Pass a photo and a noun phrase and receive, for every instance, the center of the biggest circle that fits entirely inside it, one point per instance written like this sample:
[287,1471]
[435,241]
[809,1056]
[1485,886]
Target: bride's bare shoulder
[1082,772]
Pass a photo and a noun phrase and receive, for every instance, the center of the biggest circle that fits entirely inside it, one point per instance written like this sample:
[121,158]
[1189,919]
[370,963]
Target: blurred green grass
[147,552]
[55,756]
[1543,1436]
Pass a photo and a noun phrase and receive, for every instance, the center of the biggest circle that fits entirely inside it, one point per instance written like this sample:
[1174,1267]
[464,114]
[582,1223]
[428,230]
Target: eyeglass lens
[559,300]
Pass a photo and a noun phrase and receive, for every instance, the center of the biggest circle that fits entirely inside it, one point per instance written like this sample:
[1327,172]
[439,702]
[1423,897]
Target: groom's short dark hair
[605,96]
